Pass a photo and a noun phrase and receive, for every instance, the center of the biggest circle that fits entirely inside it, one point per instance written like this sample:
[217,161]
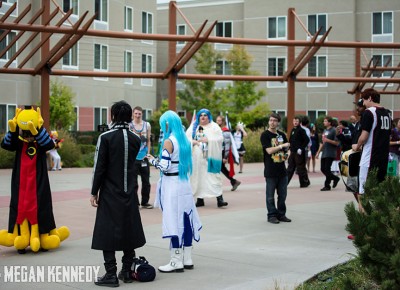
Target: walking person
[118,225]
[297,160]
[142,169]
[275,147]
[206,179]
[238,136]
[314,147]
[181,222]
[227,156]
[328,148]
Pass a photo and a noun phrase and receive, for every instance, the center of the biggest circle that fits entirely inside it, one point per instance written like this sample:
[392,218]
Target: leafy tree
[62,114]
[234,99]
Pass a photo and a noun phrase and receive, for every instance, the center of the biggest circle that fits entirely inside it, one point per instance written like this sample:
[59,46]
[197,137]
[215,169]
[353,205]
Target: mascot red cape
[31,220]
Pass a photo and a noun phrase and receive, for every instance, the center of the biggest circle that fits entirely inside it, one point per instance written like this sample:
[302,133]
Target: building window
[317,66]
[71,57]
[7,112]
[147,114]
[100,117]
[128,18]
[128,65]
[382,60]
[276,66]
[5,42]
[315,22]
[75,126]
[147,22]
[71,4]
[223,67]
[181,30]
[181,113]
[100,57]
[147,67]
[277,27]
[382,23]
[315,114]
[101,8]
[224,29]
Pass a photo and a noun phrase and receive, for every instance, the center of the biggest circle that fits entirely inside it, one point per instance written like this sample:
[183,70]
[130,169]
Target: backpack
[142,271]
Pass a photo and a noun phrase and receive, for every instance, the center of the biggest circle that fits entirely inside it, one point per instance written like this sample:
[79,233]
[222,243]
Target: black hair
[275,116]
[121,112]
[375,96]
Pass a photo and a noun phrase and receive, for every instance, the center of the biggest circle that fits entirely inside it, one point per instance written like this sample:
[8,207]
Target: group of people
[187,173]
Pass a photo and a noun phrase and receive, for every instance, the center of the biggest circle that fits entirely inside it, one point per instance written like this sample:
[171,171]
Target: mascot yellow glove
[12,124]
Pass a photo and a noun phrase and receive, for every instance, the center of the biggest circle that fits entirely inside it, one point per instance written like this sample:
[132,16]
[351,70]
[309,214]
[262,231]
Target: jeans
[280,184]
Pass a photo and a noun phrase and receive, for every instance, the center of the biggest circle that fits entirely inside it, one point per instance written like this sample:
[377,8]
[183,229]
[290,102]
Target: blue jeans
[280,184]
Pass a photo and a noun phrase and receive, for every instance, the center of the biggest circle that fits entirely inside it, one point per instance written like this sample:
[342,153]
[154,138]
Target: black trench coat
[118,224]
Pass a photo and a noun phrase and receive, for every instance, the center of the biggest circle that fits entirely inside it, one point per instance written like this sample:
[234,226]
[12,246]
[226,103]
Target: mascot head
[25,116]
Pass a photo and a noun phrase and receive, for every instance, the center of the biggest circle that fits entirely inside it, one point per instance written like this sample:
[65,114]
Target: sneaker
[284,219]
[53,169]
[325,188]
[147,205]
[335,182]
[236,185]
[273,220]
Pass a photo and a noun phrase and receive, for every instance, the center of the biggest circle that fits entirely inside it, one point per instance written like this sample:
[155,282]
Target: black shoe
[284,219]
[335,182]
[235,185]
[273,220]
[108,280]
[199,202]
[325,188]
[306,184]
[147,205]
[125,276]
[221,202]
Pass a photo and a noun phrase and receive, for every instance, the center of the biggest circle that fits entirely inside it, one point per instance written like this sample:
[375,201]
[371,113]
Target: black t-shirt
[274,164]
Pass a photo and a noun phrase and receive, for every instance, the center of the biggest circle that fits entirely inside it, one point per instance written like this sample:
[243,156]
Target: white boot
[175,265]
[187,258]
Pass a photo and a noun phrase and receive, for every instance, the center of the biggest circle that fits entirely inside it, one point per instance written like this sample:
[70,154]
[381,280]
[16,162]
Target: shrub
[6,157]
[377,231]
[70,152]
[253,146]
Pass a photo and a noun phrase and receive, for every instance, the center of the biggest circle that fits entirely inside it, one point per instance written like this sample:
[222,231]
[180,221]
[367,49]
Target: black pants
[110,262]
[298,162]
[144,172]
[225,171]
[326,164]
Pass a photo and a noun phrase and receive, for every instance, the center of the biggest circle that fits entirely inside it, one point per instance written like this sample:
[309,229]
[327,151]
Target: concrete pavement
[239,249]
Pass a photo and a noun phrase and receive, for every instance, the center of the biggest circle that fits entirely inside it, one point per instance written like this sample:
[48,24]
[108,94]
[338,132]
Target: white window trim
[125,20]
[72,67]
[101,70]
[271,84]
[382,76]
[318,84]
[128,81]
[145,81]
[224,46]
[326,25]
[101,24]
[14,64]
[277,29]
[101,121]
[148,41]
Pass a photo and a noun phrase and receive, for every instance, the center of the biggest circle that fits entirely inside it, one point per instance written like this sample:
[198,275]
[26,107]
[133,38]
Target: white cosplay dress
[174,197]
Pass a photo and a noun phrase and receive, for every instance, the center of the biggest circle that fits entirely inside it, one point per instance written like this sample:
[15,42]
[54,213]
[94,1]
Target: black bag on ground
[142,271]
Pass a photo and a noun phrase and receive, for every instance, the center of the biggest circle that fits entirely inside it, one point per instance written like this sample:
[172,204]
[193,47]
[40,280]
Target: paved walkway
[239,249]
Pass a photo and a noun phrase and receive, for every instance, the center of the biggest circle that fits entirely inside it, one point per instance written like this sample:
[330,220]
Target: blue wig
[171,123]
[196,123]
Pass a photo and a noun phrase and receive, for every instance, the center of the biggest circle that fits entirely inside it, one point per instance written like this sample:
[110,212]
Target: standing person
[395,141]
[54,152]
[227,156]
[206,179]
[374,139]
[304,124]
[343,134]
[118,226]
[329,150]
[314,137]
[181,222]
[238,136]
[297,160]
[275,147]
[143,130]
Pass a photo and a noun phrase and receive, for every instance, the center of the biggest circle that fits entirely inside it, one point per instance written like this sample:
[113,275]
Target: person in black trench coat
[118,226]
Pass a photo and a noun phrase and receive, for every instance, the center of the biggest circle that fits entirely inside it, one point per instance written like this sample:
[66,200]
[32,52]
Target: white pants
[362,178]
[56,159]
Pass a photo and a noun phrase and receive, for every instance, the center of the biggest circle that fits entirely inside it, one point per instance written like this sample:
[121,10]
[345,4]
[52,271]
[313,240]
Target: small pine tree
[377,231]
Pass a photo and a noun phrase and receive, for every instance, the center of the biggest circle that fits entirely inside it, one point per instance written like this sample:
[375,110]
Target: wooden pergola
[49,56]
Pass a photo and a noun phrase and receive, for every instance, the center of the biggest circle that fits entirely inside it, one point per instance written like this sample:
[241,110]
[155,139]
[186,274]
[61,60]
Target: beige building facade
[354,20]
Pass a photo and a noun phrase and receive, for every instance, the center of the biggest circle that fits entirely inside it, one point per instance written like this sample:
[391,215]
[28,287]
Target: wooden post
[291,89]
[171,56]
[44,74]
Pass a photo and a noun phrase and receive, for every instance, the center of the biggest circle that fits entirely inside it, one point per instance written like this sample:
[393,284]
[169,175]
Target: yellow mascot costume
[31,219]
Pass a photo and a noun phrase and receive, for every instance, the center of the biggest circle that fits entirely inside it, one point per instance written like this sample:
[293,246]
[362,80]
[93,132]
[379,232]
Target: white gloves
[299,151]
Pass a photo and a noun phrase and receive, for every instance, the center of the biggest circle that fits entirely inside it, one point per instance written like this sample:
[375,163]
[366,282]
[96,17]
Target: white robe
[174,197]
[206,179]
